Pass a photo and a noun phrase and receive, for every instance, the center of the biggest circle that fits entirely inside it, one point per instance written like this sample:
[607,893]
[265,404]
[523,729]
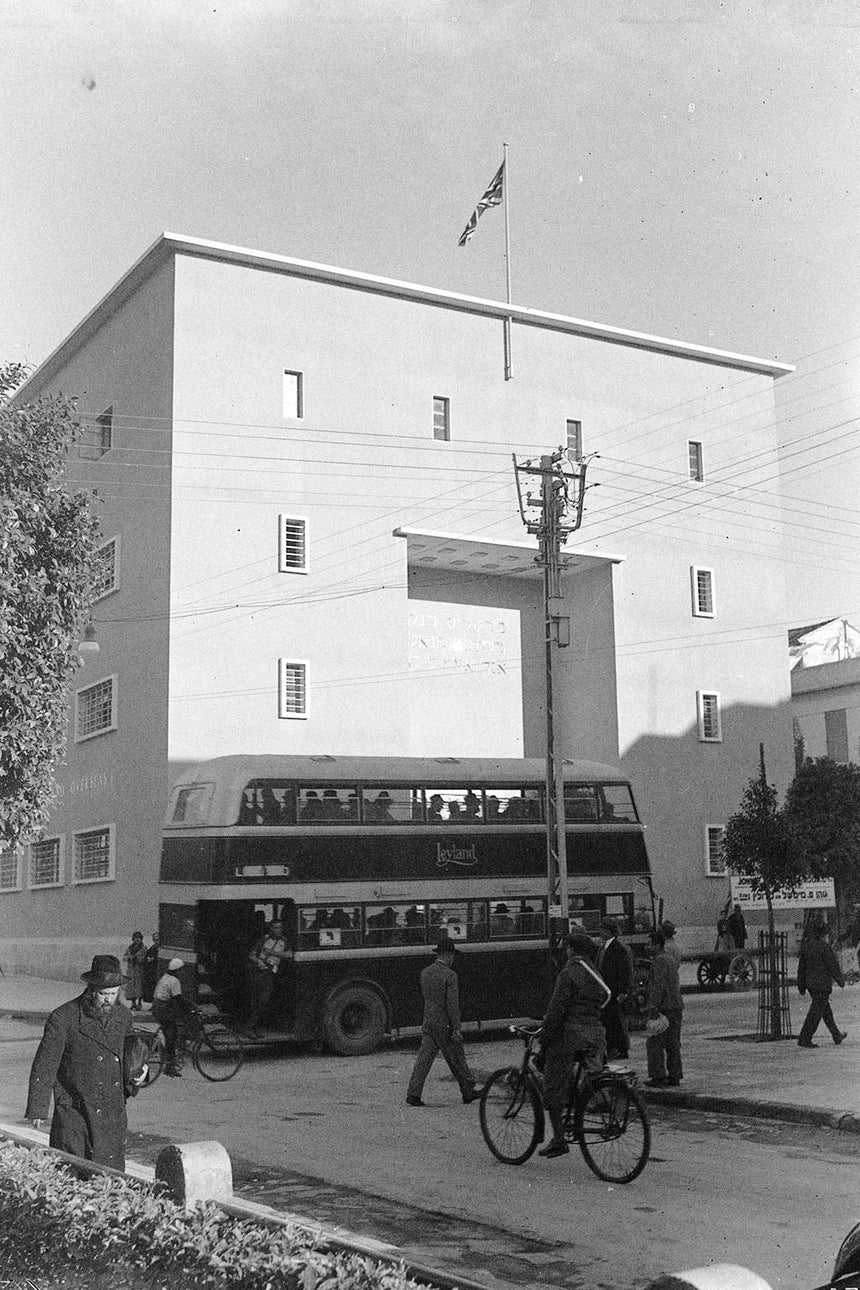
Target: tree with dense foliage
[758,846]
[822,809]
[48,537]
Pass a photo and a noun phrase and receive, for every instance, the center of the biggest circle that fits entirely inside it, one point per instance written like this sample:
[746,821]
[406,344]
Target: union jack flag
[492,197]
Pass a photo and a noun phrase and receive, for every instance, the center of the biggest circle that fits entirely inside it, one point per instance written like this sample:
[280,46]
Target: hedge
[50,1217]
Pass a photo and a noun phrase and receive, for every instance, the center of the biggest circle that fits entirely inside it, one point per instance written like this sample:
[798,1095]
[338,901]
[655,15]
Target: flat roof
[178,244]
[436,550]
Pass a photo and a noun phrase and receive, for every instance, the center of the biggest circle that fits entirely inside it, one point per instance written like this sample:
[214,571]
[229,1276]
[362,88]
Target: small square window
[10,870]
[441,417]
[574,439]
[46,863]
[292,689]
[292,545]
[715,864]
[702,586]
[107,569]
[696,462]
[95,709]
[294,398]
[708,713]
[94,855]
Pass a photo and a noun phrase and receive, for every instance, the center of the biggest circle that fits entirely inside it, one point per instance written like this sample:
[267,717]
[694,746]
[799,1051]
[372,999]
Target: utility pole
[552,517]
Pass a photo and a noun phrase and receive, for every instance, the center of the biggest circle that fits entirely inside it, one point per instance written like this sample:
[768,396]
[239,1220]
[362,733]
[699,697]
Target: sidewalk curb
[821,1117]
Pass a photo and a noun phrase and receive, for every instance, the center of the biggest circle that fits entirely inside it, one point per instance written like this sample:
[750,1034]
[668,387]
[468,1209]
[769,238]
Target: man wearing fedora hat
[80,1061]
[440,1031]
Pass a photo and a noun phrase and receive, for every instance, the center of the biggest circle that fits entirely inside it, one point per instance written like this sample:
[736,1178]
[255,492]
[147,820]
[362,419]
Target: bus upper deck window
[454,806]
[329,805]
[580,803]
[513,806]
[616,804]
[190,802]
[392,805]
[266,802]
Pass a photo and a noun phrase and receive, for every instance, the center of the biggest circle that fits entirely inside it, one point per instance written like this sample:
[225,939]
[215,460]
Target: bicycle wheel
[613,1131]
[218,1053]
[511,1116]
[155,1058]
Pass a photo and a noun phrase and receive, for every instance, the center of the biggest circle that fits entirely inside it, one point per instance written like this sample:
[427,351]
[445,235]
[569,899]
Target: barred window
[95,709]
[292,689]
[708,713]
[10,871]
[702,585]
[94,855]
[292,545]
[715,865]
[46,863]
[107,569]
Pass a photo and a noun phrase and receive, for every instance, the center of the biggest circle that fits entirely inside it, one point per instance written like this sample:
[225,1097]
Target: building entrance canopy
[432,550]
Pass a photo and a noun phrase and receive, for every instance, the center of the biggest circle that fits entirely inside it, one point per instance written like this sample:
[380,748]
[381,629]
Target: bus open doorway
[227,931]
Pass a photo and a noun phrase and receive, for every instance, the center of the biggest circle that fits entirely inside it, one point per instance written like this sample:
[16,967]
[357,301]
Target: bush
[49,1217]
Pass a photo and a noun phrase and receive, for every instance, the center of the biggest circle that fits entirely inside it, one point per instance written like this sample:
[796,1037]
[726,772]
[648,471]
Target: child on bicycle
[572,1030]
[170,1010]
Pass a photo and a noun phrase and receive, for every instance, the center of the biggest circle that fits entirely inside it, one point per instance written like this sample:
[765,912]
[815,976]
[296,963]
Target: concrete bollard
[195,1172]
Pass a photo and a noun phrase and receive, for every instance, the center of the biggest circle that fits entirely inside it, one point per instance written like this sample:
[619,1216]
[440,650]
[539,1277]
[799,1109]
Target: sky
[688,171]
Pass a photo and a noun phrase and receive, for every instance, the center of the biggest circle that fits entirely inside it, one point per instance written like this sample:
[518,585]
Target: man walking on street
[615,965]
[440,1031]
[664,996]
[572,1030]
[817,969]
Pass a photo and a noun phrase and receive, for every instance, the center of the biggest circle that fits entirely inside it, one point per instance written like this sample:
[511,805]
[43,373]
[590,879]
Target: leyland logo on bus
[452,853]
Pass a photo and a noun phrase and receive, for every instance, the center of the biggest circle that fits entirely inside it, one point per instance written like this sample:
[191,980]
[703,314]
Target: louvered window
[702,584]
[710,726]
[292,689]
[292,545]
[715,865]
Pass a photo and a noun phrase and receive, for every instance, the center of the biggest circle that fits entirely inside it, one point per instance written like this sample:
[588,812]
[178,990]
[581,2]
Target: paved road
[774,1198]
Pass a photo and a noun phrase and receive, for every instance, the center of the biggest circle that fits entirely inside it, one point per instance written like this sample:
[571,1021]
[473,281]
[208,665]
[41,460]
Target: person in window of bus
[312,808]
[380,809]
[264,959]
[455,810]
[351,811]
[615,965]
[471,805]
[170,1010]
[434,809]
[501,923]
[492,809]
[572,1030]
[440,1029]
[332,808]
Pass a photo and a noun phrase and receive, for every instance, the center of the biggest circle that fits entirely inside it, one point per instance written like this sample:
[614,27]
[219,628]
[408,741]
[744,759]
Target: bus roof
[426,770]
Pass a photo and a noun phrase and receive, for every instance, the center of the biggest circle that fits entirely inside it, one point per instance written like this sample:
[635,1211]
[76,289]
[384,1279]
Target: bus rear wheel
[353,1021]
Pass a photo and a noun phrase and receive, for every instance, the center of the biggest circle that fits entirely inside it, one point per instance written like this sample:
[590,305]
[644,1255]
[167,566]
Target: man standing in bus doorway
[440,1031]
[572,1030]
[615,965]
[265,956]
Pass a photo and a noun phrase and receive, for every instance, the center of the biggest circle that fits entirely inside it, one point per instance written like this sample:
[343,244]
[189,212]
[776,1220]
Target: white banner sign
[819,894]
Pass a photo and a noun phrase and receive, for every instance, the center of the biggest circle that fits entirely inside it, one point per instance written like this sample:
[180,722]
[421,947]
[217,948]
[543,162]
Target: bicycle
[216,1051]
[604,1115]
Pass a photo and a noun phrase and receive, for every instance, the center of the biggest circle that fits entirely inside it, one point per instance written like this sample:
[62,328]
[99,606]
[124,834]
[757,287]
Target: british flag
[492,197]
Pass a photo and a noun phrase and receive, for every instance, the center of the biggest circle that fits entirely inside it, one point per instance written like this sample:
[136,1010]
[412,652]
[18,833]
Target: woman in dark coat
[817,969]
[80,1062]
[133,959]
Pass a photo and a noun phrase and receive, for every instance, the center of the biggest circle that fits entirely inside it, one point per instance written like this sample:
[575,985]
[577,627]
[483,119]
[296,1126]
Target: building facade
[312,544]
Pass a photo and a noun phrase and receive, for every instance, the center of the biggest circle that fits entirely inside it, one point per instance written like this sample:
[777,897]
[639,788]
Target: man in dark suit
[80,1063]
[615,965]
[440,1031]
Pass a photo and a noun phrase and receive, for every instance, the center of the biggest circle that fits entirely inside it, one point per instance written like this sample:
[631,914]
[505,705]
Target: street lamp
[88,646]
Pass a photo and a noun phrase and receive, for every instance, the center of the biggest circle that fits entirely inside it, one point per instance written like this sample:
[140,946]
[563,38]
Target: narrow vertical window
[708,714]
[105,431]
[97,439]
[292,545]
[702,585]
[441,417]
[292,689]
[10,870]
[715,865]
[293,396]
[574,439]
[697,468]
[836,734]
[107,569]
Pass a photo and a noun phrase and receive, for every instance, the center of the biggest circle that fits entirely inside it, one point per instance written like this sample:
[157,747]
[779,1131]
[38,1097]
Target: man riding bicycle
[572,1029]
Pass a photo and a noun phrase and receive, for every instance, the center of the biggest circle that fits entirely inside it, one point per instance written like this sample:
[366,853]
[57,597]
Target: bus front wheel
[353,1021]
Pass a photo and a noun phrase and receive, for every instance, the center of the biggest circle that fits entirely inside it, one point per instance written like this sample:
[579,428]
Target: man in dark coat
[736,927]
[615,965]
[572,1030]
[817,969]
[664,997]
[440,1031]
[80,1062]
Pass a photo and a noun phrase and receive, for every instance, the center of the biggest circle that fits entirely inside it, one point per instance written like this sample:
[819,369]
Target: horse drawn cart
[735,969]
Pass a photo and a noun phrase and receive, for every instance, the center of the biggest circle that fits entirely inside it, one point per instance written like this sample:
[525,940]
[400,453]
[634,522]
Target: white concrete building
[313,545]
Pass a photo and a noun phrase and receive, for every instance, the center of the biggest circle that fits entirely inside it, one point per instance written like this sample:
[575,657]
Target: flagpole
[505,187]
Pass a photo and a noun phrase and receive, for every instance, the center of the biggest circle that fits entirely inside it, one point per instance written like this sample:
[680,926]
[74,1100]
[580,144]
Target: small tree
[758,846]
[47,561]
[822,809]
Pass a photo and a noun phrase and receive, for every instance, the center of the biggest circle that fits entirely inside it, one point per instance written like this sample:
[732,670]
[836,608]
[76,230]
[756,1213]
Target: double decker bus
[367,861]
